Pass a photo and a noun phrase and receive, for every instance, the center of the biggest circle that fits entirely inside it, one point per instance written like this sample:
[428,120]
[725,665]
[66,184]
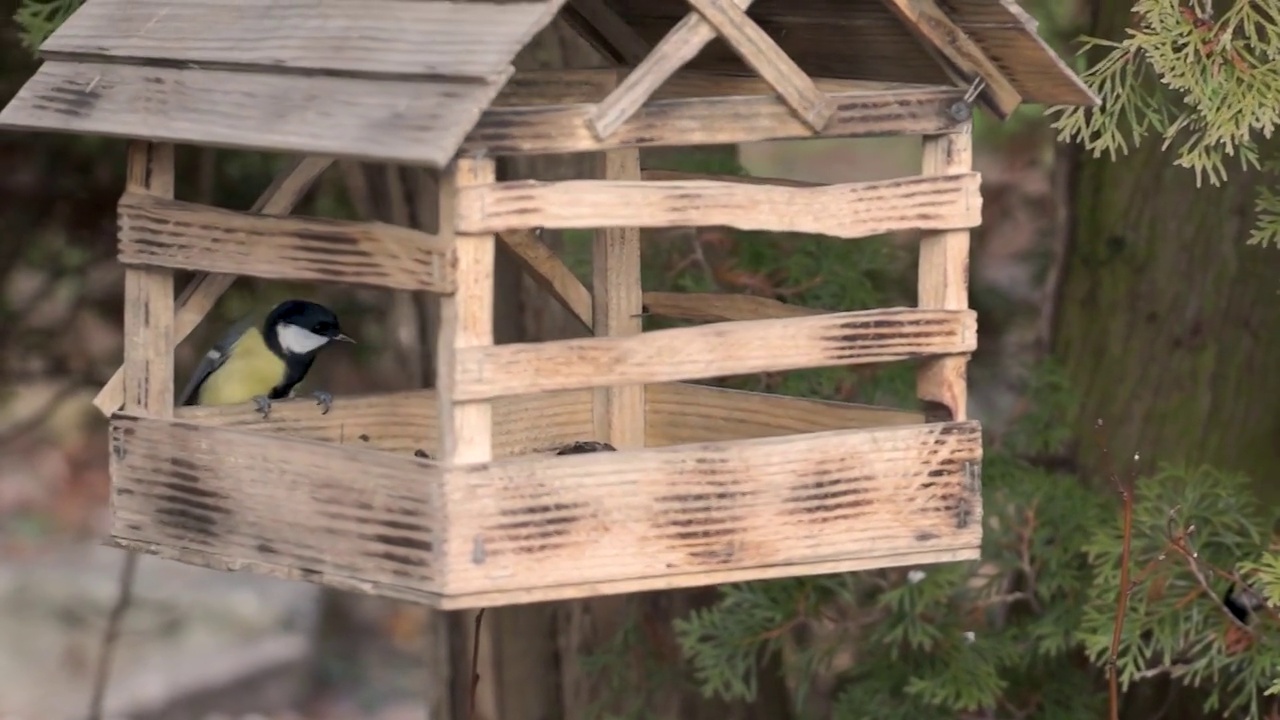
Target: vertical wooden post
[466,320]
[616,309]
[943,282]
[148,299]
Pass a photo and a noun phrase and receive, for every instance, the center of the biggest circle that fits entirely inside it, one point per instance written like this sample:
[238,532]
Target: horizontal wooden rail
[642,515]
[721,307]
[715,350]
[850,210]
[657,174]
[169,233]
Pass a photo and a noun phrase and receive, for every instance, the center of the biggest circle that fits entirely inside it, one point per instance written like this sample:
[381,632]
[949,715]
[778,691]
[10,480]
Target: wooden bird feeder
[707,485]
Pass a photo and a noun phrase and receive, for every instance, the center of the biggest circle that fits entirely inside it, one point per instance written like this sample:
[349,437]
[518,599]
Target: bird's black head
[298,327]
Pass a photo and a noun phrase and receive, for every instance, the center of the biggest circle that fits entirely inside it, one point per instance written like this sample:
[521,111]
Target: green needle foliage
[1203,77]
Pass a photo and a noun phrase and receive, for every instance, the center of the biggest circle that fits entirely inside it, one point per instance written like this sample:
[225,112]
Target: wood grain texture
[675,414]
[681,45]
[943,282]
[656,174]
[156,232]
[959,52]
[426,38]
[400,121]
[763,55]
[683,413]
[466,320]
[619,39]
[148,371]
[721,307]
[203,291]
[550,273]
[792,499]
[408,421]
[259,498]
[842,39]
[617,309]
[848,210]
[715,350]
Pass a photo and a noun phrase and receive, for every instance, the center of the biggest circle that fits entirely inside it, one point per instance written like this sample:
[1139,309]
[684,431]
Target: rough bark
[1166,319]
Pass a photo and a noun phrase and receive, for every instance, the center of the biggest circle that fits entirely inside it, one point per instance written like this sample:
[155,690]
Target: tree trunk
[1166,320]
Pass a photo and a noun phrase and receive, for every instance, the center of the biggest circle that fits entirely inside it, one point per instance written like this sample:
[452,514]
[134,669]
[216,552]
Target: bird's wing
[213,360]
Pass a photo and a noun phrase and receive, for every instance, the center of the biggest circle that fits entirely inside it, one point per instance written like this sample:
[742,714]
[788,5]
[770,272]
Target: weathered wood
[655,174]
[763,55]
[540,522]
[715,350]
[616,292]
[148,372]
[675,414]
[399,121]
[943,282]
[156,232]
[549,272]
[681,45]
[255,498]
[405,422]
[199,296]
[684,413]
[427,38]
[621,42]
[848,210]
[721,307]
[842,39]
[932,25]
[466,320]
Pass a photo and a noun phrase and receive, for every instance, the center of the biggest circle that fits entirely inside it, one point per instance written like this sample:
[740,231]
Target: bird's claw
[262,404]
[324,400]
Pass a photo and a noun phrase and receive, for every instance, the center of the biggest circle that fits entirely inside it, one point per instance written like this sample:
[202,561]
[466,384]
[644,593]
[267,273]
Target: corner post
[617,304]
[466,319]
[943,282]
[148,298]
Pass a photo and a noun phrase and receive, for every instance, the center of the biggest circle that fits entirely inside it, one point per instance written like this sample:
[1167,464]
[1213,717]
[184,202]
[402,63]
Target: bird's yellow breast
[251,369]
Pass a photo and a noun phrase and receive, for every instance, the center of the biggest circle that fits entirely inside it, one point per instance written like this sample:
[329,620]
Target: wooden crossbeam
[200,295]
[681,45]
[721,307]
[615,33]
[763,55]
[960,55]
[549,272]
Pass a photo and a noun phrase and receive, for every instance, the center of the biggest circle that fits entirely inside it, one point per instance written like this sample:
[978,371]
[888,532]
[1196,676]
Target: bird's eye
[320,328]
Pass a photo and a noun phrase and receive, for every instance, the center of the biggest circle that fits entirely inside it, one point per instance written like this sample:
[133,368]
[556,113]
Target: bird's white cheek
[298,341]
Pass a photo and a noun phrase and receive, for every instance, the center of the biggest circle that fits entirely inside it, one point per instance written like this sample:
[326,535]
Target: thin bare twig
[475,664]
[106,651]
[1127,491]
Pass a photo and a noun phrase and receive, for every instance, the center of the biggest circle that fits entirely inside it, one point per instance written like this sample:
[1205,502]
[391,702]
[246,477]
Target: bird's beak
[342,337]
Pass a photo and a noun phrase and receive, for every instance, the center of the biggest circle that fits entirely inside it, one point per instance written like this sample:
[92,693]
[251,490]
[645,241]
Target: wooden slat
[721,307]
[405,422]
[619,39]
[675,413]
[550,273]
[932,25]
[155,232]
[655,174]
[681,45]
[423,38]
[399,121]
[683,413]
[200,294]
[713,121]
[848,210]
[943,282]
[253,498]
[763,55]
[647,514]
[616,310]
[466,320]
[715,350]
[148,372]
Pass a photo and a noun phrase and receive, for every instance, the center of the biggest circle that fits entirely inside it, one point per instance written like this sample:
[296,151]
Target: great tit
[264,363]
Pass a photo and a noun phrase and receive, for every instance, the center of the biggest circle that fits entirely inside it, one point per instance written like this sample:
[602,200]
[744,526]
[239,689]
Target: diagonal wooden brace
[759,51]
[958,53]
[681,45]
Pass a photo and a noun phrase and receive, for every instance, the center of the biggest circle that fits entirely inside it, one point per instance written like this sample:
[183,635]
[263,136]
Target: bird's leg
[324,400]
[263,405]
